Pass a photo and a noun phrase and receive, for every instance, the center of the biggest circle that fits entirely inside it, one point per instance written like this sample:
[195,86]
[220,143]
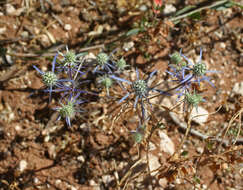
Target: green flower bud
[140,88]
[193,99]
[176,58]
[102,58]
[67,110]
[49,78]
[106,81]
[69,57]
[121,64]
[199,69]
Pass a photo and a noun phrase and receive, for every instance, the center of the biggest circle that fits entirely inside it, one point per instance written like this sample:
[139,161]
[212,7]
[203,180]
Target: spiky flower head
[102,58]
[121,64]
[106,81]
[193,99]
[137,137]
[199,69]
[69,57]
[49,78]
[176,58]
[140,88]
[67,110]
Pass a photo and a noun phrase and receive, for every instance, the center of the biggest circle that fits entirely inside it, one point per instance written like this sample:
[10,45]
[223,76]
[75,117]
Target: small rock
[45,40]
[93,184]
[85,15]
[17,128]
[47,138]
[10,10]
[153,163]
[151,146]
[222,45]
[22,165]
[58,181]
[81,158]
[65,2]
[11,116]
[52,151]
[199,111]
[24,34]
[9,59]
[72,187]
[163,182]
[2,30]
[36,180]
[199,150]
[107,179]
[169,9]
[238,88]
[128,45]
[67,27]
[97,31]
[143,8]
[166,144]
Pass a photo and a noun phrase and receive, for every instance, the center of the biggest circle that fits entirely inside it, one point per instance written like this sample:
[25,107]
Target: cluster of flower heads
[67,77]
[185,73]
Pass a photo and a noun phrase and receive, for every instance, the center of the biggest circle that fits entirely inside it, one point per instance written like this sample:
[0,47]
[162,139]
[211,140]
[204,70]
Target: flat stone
[22,165]
[238,88]
[67,27]
[166,144]
[199,111]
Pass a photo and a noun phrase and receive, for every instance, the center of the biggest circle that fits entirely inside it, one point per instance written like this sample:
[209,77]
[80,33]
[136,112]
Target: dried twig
[183,126]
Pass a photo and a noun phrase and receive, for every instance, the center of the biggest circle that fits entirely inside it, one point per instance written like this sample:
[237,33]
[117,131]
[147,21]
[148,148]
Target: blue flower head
[71,62]
[49,78]
[103,63]
[187,73]
[199,70]
[121,64]
[192,99]
[68,108]
[139,88]
[106,81]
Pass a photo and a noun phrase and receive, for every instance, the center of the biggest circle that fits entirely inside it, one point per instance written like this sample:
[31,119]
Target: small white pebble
[22,165]
[2,30]
[47,138]
[17,128]
[199,150]
[127,46]
[58,181]
[36,180]
[11,116]
[223,45]
[81,158]
[67,27]
[238,88]
[203,115]
[169,9]
[10,10]
[73,188]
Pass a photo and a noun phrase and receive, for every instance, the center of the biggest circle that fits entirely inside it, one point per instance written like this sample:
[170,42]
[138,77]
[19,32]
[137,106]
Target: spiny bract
[67,110]
[193,99]
[140,88]
[102,58]
[199,69]
[49,78]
